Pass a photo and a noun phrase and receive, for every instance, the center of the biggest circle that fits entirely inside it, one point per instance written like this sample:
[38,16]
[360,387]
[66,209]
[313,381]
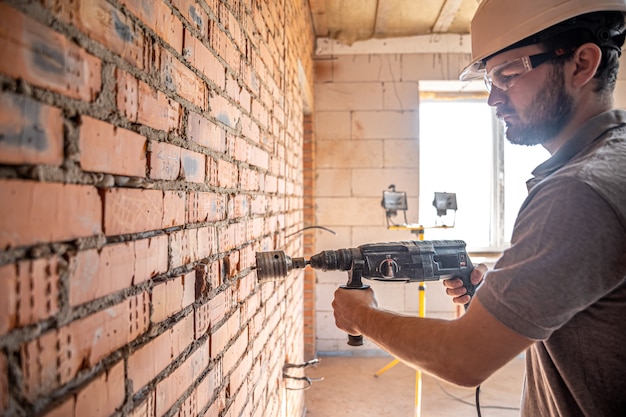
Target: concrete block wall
[147,150]
[367,137]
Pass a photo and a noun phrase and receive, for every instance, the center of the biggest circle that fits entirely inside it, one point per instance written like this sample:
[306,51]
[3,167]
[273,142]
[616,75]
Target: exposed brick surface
[201,58]
[96,273]
[170,162]
[32,132]
[4,382]
[172,296]
[56,356]
[148,150]
[103,23]
[180,80]
[103,395]
[140,103]
[171,388]
[160,18]
[206,133]
[52,212]
[107,148]
[45,58]
[152,358]
[131,211]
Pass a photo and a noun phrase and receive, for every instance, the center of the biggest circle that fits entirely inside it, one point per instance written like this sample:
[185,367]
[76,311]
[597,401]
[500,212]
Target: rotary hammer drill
[408,261]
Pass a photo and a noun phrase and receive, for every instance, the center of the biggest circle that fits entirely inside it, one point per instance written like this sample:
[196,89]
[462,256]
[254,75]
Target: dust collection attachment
[409,261]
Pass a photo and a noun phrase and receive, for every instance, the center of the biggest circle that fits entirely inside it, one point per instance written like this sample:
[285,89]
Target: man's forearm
[464,351]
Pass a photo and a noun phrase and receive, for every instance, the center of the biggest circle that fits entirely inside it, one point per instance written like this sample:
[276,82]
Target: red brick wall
[310,350]
[148,149]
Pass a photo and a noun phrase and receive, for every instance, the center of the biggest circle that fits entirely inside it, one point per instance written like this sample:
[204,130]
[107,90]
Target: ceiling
[348,21]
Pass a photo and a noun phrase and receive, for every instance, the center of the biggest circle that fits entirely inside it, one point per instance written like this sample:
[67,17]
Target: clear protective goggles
[505,76]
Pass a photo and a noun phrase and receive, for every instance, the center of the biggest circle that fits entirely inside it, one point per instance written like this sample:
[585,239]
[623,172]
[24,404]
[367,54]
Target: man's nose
[496,96]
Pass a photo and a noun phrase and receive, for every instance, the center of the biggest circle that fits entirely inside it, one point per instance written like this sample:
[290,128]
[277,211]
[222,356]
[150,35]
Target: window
[463,151]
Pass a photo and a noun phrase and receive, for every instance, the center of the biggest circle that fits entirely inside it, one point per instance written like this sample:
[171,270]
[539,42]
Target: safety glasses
[505,76]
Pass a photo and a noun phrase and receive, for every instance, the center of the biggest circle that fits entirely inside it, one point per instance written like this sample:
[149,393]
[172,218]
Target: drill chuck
[335,260]
[276,265]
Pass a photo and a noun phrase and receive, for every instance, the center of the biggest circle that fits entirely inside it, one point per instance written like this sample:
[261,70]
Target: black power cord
[477,401]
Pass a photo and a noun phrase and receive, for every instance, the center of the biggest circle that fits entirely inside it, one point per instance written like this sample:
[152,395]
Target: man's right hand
[455,288]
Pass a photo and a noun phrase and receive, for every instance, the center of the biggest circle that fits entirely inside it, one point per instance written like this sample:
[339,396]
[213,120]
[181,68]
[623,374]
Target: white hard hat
[499,24]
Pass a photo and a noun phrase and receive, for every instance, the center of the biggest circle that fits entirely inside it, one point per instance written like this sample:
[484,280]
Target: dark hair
[605,29]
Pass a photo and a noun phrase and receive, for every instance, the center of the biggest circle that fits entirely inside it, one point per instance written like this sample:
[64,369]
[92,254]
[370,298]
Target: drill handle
[355,275]
[470,288]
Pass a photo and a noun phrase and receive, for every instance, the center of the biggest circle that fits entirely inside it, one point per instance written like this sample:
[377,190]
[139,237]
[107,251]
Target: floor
[350,388]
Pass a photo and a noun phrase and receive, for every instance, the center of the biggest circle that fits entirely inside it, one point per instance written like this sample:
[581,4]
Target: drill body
[410,261]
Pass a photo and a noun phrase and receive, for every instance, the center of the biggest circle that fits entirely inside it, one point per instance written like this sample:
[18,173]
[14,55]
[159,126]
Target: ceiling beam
[435,43]
[448,12]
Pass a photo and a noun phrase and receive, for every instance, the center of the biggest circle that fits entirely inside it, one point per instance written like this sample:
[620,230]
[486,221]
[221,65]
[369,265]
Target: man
[559,292]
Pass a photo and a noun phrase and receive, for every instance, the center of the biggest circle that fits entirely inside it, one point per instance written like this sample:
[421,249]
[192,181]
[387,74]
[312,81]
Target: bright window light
[462,151]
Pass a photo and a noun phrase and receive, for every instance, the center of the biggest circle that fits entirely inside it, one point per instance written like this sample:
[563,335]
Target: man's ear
[586,60]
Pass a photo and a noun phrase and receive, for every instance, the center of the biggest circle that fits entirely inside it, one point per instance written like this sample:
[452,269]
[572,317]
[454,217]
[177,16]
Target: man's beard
[545,117]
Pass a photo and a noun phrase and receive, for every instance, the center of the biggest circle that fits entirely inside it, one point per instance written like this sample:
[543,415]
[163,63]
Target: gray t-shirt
[563,280]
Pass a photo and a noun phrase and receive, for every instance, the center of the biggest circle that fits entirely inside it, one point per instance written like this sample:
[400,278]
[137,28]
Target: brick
[31,132]
[171,388]
[110,149]
[203,59]
[8,298]
[205,207]
[146,408]
[250,129]
[127,92]
[239,206]
[223,334]
[193,165]
[103,395]
[174,203]
[189,405]
[206,133]
[103,23]
[202,318]
[172,296]
[207,242]
[37,290]
[157,110]
[152,358]
[184,247]
[240,374]
[52,212]
[207,278]
[180,80]
[234,352]
[208,388]
[165,161]
[158,17]
[131,211]
[228,174]
[45,58]
[194,14]
[139,103]
[4,383]
[55,357]
[95,274]
[223,110]
[65,409]
[150,258]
